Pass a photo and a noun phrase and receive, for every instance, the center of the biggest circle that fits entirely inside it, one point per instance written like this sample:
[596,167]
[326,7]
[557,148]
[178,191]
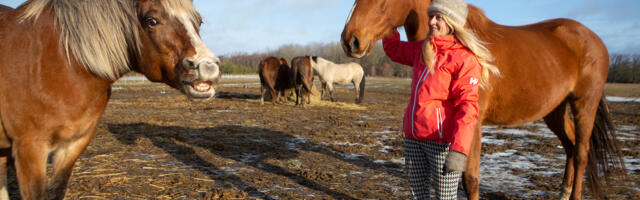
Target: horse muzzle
[353,47]
[199,78]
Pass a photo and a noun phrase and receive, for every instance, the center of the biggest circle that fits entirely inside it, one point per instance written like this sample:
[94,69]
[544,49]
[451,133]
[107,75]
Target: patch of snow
[631,163]
[350,156]
[623,99]
[133,78]
[241,76]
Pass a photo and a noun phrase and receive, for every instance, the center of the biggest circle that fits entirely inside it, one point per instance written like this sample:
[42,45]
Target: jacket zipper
[440,127]
[424,74]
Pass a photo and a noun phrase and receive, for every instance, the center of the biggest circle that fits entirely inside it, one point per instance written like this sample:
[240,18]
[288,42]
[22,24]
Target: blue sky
[259,25]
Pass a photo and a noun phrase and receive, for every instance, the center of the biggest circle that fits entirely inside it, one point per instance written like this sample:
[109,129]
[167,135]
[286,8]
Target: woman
[439,123]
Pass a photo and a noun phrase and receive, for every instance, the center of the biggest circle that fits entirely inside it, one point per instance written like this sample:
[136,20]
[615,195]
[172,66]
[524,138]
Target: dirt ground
[152,143]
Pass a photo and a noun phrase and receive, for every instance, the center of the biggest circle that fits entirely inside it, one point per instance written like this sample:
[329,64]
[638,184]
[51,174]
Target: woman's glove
[455,161]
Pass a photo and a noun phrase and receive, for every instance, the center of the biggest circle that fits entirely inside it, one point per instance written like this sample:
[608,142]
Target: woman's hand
[455,161]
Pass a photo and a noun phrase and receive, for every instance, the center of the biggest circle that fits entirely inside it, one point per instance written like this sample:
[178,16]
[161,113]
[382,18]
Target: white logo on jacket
[473,81]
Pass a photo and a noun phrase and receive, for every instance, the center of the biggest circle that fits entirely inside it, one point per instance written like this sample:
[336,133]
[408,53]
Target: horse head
[171,50]
[372,20]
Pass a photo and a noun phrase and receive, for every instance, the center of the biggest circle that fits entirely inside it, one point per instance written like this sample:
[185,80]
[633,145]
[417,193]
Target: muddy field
[154,144]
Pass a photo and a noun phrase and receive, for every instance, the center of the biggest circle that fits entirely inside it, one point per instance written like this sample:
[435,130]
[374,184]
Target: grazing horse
[59,60]
[274,76]
[302,78]
[330,73]
[546,67]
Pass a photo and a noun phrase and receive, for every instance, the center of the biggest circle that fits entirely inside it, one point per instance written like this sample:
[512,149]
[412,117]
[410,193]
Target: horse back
[541,65]
[274,72]
[301,70]
[268,70]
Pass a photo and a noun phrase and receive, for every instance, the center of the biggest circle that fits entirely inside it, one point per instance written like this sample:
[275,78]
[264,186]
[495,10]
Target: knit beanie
[455,9]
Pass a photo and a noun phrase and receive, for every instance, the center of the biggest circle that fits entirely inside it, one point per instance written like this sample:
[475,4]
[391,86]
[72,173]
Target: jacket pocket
[426,122]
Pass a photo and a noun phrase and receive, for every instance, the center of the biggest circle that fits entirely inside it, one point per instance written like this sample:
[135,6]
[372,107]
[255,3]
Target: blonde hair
[470,40]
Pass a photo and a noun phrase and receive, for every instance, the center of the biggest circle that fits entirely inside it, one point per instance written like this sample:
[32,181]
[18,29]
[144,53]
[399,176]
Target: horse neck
[54,63]
[416,23]
[481,25]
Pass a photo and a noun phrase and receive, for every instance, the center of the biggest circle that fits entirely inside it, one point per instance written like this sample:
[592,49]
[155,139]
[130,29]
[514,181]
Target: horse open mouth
[204,86]
[200,90]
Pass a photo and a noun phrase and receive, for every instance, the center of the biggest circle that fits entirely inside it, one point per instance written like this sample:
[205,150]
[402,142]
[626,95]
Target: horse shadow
[232,95]
[250,145]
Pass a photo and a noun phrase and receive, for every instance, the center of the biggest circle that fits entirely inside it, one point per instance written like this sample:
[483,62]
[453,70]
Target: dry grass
[622,90]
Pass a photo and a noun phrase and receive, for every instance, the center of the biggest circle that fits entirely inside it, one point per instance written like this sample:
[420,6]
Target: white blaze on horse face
[203,54]
[351,13]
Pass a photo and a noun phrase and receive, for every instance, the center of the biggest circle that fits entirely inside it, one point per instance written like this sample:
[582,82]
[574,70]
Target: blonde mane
[102,35]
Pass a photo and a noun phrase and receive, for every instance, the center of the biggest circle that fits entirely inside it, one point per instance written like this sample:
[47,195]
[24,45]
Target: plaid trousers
[424,163]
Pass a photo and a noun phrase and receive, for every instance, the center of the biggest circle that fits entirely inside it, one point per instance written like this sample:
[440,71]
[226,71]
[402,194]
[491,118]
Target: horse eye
[150,21]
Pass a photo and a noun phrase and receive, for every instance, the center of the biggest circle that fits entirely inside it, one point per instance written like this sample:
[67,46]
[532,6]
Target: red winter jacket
[444,103]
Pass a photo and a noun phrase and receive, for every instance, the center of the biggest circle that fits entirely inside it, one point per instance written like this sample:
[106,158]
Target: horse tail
[605,156]
[261,71]
[306,84]
[361,95]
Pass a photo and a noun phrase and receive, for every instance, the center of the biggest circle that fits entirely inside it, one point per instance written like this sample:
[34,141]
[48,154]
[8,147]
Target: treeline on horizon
[624,68]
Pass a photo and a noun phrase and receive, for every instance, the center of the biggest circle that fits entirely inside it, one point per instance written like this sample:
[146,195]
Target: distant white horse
[330,73]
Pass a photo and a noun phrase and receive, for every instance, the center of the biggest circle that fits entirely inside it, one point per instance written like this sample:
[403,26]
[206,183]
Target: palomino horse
[330,73]
[301,75]
[546,67]
[59,59]
[274,76]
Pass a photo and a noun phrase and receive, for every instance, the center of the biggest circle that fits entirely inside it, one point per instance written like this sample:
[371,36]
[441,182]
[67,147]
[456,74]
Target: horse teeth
[202,87]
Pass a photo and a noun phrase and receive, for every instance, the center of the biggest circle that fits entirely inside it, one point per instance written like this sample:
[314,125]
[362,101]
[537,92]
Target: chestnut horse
[274,76]
[301,75]
[59,60]
[546,67]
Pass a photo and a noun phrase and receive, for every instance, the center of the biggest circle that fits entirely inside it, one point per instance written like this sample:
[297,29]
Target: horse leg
[584,110]
[278,96]
[324,88]
[356,85]
[4,165]
[262,94]
[31,168]
[297,94]
[330,86]
[471,175]
[273,92]
[302,94]
[63,161]
[560,124]
[285,94]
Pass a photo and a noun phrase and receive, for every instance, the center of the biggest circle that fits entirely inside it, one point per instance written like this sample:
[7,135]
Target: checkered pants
[424,163]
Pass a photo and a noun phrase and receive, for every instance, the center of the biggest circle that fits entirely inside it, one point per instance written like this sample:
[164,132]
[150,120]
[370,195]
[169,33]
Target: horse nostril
[190,64]
[355,43]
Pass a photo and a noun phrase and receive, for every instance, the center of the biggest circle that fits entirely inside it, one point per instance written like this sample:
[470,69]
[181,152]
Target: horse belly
[521,110]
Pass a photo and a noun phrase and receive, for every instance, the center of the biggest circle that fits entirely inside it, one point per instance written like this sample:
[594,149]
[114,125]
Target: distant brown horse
[59,59]
[274,76]
[546,67]
[302,76]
